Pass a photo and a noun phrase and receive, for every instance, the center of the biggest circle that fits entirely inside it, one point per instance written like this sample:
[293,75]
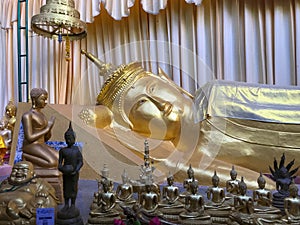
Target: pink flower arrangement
[118,222]
[155,221]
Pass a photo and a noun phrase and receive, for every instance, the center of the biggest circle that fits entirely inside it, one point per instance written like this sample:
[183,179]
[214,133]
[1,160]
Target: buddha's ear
[165,77]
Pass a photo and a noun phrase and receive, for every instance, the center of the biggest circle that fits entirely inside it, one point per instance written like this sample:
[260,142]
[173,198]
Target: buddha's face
[170,180]
[41,101]
[262,184]
[233,175]
[10,112]
[155,108]
[21,173]
[215,182]
[70,139]
[190,174]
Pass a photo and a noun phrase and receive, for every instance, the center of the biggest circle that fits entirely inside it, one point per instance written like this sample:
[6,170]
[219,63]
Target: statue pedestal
[278,201]
[69,216]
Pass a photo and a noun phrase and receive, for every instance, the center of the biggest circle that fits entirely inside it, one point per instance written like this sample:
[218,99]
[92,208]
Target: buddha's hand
[87,116]
[51,122]
[12,210]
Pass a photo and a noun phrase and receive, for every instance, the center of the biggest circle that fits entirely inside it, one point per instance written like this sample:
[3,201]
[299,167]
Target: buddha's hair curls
[36,92]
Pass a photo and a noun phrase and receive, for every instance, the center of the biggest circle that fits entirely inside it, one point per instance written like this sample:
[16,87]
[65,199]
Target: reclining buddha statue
[224,124]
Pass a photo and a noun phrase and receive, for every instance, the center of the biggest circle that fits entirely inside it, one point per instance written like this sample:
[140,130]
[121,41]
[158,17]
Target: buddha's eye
[141,102]
[151,89]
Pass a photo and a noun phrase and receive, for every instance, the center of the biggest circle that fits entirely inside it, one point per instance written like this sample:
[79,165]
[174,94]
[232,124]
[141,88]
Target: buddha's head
[145,102]
[70,136]
[243,187]
[194,187]
[215,179]
[125,177]
[38,97]
[170,179]
[261,181]
[233,173]
[293,189]
[22,172]
[10,109]
[190,172]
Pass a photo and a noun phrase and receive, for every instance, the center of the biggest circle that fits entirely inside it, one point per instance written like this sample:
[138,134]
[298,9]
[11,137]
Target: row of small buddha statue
[171,205]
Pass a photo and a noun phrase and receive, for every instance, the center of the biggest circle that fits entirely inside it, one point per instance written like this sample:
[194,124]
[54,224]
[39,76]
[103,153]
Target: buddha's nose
[161,104]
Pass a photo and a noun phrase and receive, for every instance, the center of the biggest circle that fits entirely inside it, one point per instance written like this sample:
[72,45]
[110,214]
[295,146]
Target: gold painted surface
[249,101]
[145,105]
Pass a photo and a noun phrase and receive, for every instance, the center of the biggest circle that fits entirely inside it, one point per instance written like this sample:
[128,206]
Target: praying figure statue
[69,163]
[37,130]
[22,193]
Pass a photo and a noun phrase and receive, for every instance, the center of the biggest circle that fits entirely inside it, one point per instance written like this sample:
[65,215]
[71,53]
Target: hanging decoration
[59,20]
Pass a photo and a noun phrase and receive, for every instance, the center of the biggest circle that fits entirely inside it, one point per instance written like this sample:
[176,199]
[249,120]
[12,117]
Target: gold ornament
[59,20]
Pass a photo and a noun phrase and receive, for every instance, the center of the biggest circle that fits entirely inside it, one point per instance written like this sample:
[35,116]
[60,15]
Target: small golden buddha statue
[170,205]
[194,207]
[22,193]
[263,209]
[232,185]
[292,206]
[216,205]
[10,115]
[243,205]
[105,211]
[149,200]
[187,182]
[5,140]
[124,191]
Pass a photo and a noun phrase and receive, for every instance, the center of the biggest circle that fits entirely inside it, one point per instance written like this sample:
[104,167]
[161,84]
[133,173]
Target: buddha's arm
[30,134]
[98,116]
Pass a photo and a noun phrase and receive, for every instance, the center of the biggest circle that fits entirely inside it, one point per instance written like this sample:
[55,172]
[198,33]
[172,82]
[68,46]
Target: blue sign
[45,216]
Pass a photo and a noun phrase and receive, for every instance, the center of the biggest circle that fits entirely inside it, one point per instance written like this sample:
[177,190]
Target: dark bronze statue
[69,163]
[283,176]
